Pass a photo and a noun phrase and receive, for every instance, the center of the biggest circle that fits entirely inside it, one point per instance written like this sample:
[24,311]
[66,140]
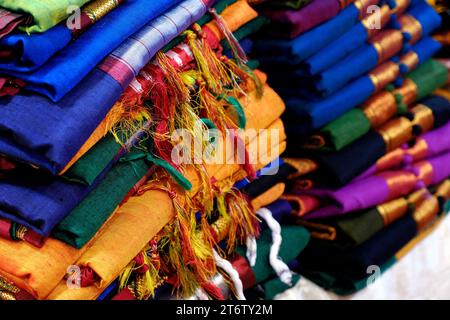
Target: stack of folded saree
[78,213]
[144,155]
[367,116]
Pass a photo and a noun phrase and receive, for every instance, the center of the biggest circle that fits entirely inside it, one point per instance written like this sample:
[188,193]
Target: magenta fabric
[353,196]
[436,141]
[296,22]
[441,166]
[363,194]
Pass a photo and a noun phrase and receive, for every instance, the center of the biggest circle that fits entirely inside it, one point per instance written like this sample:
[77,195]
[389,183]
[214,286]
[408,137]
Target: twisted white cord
[227,267]
[281,268]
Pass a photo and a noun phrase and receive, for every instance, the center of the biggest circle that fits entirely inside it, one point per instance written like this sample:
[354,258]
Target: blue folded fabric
[314,115]
[427,16]
[336,50]
[32,51]
[426,48]
[63,71]
[40,201]
[303,116]
[366,57]
[294,51]
[357,36]
[359,62]
[35,130]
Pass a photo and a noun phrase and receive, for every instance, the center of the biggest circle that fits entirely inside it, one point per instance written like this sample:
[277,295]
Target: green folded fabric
[428,77]
[295,238]
[360,227]
[346,129]
[91,164]
[45,13]
[86,219]
[354,124]
[273,287]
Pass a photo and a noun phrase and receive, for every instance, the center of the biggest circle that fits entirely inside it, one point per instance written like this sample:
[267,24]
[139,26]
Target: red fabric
[125,294]
[5,226]
[5,164]
[10,86]
[88,277]
[34,238]
[10,21]
[245,271]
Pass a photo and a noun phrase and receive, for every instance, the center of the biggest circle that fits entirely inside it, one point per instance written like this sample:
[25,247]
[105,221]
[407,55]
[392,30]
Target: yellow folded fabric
[268,197]
[36,270]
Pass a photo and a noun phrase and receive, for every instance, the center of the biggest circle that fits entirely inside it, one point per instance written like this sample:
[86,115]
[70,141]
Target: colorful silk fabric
[72,119]
[105,194]
[45,14]
[76,60]
[356,122]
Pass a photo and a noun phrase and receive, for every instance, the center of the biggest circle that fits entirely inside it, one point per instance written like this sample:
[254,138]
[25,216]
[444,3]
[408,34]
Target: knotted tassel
[243,222]
[241,68]
[212,69]
[189,256]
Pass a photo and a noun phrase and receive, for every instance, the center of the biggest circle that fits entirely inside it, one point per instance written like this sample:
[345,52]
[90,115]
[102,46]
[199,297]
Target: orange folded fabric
[271,195]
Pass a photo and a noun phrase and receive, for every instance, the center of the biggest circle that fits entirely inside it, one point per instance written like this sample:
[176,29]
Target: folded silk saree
[24,53]
[181,58]
[345,269]
[431,112]
[428,145]
[291,23]
[102,256]
[351,40]
[385,186]
[57,257]
[344,285]
[304,116]
[60,74]
[293,51]
[70,122]
[366,57]
[356,228]
[379,108]
[355,261]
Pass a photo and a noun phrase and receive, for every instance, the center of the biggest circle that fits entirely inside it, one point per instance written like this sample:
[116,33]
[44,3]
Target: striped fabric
[124,63]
